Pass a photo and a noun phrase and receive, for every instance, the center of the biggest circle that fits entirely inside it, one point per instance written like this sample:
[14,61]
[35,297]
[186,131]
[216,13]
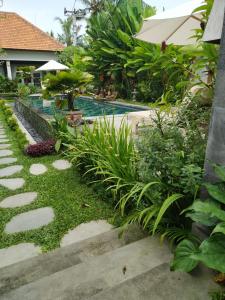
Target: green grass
[61,190]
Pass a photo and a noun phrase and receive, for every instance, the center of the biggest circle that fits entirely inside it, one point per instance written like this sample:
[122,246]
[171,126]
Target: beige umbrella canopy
[52,65]
[175,26]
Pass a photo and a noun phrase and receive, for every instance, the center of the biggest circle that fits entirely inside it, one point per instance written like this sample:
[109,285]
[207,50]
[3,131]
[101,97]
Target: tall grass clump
[105,154]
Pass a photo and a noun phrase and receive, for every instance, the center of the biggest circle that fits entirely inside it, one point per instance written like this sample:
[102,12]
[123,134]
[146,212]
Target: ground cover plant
[209,213]
[151,179]
[73,202]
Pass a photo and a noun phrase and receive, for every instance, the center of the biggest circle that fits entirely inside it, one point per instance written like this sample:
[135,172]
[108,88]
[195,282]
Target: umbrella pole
[215,151]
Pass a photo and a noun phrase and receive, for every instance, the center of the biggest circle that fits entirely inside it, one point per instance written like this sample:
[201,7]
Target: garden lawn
[72,201]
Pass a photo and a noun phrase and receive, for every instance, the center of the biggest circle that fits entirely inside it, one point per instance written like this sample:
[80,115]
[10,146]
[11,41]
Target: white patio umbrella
[52,65]
[174,26]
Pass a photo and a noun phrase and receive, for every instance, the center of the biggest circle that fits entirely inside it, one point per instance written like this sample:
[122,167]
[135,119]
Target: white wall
[23,55]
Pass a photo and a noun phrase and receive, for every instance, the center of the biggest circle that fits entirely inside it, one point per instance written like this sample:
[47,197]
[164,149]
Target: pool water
[89,107]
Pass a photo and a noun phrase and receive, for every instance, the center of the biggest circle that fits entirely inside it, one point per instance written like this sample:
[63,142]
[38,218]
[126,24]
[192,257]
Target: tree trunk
[215,151]
[70,99]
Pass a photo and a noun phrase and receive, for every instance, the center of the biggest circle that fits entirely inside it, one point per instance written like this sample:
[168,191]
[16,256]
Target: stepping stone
[5,153]
[2,131]
[12,184]
[4,146]
[4,140]
[17,253]
[85,231]
[7,160]
[62,164]
[3,136]
[18,200]
[30,220]
[37,169]
[9,171]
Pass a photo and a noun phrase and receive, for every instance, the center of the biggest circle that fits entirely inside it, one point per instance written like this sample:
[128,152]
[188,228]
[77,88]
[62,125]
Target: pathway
[34,219]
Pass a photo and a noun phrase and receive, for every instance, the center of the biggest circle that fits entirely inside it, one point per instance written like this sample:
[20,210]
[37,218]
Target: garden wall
[36,120]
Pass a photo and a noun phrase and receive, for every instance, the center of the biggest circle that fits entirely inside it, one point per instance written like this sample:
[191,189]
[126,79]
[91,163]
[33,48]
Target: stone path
[85,231]
[37,218]
[9,171]
[62,164]
[38,169]
[29,220]
[12,184]
[4,140]
[18,200]
[4,146]
[18,253]
[7,160]
[4,153]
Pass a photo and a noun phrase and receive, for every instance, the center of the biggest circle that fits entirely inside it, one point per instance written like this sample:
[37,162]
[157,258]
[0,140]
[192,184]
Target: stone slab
[4,153]
[12,184]
[3,136]
[4,140]
[38,169]
[18,200]
[30,220]
[9,171]
[17,253]
[4,146]
[7,160]
[62,164]
[85,231]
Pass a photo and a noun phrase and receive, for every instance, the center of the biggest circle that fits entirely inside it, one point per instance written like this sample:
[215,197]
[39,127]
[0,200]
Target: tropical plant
[68,83]
[66,37]
[95,6]
[211,214]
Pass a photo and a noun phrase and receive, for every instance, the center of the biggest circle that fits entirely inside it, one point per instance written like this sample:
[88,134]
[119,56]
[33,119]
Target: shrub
[209,213]
[13,125]
[40,149]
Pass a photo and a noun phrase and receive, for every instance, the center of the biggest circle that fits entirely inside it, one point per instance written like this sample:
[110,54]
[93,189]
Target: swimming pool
[88,106]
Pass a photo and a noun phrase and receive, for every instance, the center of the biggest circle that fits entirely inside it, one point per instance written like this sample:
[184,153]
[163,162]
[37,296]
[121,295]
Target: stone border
[38,121]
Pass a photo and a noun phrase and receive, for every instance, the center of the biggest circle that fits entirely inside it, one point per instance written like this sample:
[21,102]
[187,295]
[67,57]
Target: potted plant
[69,84]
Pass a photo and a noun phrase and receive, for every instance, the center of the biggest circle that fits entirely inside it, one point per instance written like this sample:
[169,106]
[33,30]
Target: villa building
[23,44]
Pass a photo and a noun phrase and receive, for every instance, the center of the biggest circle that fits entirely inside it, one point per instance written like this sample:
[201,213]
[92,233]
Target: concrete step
[32,269]
[161,284]
[97,273]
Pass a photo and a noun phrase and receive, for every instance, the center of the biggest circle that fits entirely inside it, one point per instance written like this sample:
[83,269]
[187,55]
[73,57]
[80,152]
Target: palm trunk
[70,100]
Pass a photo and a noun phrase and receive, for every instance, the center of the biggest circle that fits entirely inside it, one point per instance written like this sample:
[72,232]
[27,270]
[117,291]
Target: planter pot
[73,116]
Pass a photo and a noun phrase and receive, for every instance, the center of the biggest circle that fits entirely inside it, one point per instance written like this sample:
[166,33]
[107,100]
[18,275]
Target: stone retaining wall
[36,120]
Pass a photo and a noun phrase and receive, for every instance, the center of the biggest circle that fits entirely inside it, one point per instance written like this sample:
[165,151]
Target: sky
[42,13]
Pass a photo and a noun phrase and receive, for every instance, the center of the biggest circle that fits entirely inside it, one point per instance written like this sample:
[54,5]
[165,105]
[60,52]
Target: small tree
[68,83]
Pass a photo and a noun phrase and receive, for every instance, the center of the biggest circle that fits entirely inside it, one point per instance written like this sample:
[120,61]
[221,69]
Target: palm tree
[95,6]
[66,37]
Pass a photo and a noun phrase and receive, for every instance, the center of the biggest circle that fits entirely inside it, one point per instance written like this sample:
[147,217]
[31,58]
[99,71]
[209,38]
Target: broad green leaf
[202,218]
[166,204]
[212,253]
[209,208]
[183,260]
[220,172]
[220,228]
[58,145]
[215,192]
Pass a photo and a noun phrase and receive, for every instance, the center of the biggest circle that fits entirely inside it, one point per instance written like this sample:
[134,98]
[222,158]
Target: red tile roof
[18,33]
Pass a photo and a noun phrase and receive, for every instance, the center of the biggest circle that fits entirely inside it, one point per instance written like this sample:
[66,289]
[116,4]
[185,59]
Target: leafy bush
[209,213]
[12,123]
[40,149]
[152,179]
[7,86]
[23,90]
